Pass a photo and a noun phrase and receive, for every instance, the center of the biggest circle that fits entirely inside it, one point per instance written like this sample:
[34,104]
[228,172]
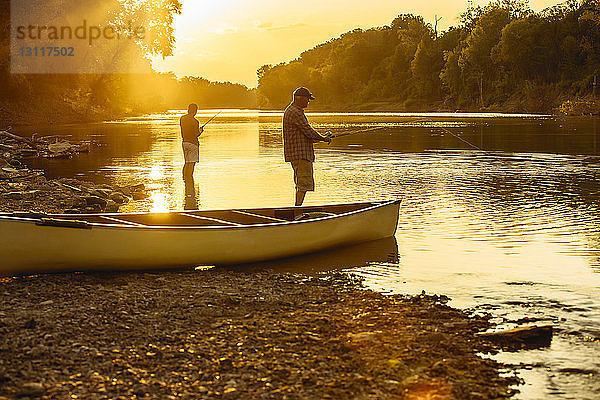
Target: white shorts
[191,152]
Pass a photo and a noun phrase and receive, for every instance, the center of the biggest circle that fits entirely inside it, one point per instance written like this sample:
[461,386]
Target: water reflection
[191,199]
[378,251]
[158,202]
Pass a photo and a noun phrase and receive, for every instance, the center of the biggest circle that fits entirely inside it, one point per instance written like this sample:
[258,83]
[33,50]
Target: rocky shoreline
[24,189]
[229,333]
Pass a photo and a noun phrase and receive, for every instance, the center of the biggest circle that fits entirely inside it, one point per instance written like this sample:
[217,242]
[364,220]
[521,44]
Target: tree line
[97,96]
[501,56]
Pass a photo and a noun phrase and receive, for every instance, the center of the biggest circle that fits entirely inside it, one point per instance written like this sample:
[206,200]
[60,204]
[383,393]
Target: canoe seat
[286,214]
[313,215]
[289,214]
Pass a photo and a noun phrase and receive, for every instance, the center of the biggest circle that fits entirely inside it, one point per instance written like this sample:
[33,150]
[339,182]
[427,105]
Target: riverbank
[226,333]
[567,106]
[222,333]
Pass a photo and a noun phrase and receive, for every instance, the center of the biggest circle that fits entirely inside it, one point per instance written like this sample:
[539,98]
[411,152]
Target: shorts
[303,175]
[191,152]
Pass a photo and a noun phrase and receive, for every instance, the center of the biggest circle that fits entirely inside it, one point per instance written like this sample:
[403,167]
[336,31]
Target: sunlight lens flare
[159,202]
[156,172]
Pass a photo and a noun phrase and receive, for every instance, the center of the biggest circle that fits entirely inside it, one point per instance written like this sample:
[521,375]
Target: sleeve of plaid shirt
[299,120]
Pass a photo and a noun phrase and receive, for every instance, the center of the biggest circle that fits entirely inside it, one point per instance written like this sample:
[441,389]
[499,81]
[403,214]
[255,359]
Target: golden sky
[227,40]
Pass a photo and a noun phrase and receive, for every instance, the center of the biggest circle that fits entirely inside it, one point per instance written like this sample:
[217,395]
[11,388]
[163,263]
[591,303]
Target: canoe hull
[29,247]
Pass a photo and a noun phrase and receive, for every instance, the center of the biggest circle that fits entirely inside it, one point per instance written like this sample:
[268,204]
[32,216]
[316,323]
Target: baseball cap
[302,91]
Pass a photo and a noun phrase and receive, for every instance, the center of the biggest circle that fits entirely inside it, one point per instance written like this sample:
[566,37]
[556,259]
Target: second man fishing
[298,139]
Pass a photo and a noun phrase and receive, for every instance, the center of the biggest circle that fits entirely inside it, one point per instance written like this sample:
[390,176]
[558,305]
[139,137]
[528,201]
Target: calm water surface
[512,229]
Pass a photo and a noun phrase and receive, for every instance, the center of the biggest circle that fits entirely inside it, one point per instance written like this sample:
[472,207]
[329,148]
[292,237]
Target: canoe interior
[237,217]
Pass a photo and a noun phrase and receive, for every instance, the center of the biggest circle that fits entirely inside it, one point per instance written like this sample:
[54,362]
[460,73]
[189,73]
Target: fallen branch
[73,188]
[19,138]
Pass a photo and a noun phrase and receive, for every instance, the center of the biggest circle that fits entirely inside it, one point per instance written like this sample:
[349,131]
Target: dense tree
[476,59]
[425,68]
[590,29]
[521,48]
[96,94]
[501,53]
[452,77]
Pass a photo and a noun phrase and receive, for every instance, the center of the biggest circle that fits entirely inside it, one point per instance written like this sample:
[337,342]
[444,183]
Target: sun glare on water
[159,202]
[156,172]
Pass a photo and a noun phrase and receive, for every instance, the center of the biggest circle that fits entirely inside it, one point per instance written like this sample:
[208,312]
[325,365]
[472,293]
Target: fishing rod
[214,116]
[451,133]
[332,136]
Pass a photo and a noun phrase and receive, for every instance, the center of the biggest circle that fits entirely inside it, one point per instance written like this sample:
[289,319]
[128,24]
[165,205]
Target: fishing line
[453,134]
[461,139]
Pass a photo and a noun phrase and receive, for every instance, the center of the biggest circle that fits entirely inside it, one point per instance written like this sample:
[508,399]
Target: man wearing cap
[298,139]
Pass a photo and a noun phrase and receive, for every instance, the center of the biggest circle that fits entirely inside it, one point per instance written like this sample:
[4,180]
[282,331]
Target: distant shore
[574,107]
[18,115]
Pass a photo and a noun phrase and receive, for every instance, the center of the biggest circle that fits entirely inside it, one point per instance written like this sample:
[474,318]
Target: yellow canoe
[43,243]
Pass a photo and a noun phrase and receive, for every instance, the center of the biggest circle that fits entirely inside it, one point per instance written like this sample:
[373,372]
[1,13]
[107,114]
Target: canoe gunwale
[372,206]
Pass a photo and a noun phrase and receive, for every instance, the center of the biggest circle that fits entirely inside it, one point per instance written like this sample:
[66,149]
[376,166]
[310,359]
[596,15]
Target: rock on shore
[36,193]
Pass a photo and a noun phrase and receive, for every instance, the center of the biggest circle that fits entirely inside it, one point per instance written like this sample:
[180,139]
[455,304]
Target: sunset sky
[227,40]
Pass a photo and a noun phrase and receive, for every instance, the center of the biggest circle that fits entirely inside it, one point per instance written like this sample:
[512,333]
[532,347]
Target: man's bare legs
[190,185]
[300,197]
[188,171]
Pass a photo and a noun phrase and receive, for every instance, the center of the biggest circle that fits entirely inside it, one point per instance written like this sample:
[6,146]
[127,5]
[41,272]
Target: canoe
[32,242]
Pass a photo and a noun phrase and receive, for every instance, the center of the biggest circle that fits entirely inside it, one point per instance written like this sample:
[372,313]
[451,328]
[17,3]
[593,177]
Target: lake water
[499,212]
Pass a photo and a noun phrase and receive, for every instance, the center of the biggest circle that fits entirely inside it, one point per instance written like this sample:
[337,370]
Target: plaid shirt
[298,136]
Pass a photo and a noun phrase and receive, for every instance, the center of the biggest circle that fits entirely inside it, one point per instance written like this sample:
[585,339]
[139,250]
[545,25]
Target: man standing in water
[190,130]
[298,139]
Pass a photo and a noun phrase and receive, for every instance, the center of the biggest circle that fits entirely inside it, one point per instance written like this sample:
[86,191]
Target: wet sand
[227,333]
